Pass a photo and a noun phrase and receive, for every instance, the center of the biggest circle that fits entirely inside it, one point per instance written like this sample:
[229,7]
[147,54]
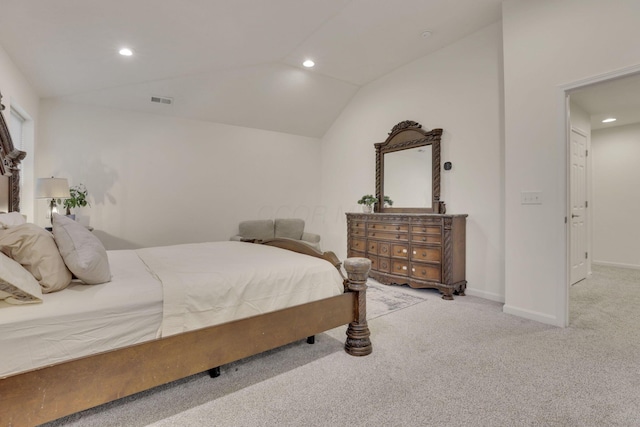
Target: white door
[578,197]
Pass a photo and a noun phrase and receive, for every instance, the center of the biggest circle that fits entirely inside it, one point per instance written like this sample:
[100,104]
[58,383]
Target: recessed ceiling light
[426,34]
[125,51]
[609,120]
[308,63]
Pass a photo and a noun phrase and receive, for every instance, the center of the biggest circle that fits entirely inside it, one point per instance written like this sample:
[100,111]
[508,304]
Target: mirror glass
[407,177]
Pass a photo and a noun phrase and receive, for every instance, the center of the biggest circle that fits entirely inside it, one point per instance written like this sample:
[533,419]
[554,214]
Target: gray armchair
[289,228]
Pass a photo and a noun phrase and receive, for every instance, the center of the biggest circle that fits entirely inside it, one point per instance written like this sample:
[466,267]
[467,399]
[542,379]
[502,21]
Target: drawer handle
[373,226]
[373,234]
[424,272]
[398,228]
[424,254]
[415,253]
[397,236]
[373,247]
[424,239]
[357,244]
[404,267]
[413,270]
[424,230]
[404,251]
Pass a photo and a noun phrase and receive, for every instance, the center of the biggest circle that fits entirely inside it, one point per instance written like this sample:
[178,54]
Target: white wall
[616,205]
[16,89]
[549,44]
[157,180]
[458,89]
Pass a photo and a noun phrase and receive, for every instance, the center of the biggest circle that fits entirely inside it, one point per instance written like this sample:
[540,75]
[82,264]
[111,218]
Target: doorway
[612,96]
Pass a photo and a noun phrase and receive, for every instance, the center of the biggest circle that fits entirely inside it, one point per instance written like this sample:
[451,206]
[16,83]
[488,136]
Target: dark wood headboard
[10,159]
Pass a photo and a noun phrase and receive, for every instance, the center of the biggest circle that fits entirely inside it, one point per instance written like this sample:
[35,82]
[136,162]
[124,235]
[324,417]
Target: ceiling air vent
[162,100]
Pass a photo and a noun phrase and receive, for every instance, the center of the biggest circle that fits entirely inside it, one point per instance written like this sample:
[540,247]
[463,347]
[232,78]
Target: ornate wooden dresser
[421,250]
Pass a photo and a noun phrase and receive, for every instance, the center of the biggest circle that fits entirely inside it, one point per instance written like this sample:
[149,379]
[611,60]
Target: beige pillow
[17,285]
[83,253]
[34,248]
[261,229]
[290,228]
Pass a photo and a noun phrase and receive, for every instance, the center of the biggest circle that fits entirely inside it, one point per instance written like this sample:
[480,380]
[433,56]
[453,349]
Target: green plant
[388,201]
[78,198]
[368,200]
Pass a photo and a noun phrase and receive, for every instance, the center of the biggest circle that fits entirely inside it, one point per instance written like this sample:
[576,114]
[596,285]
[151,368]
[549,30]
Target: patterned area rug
[385,299]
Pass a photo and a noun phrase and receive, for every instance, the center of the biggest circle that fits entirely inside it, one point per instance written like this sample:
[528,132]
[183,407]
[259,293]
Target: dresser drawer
[384,248]
[400,267]
[425,272]
[385,235]
[427,221]
[400,250]
[355,254]
[384,264]
[388,227]
[358,224]
[425,253]
[374,262]
[358,232]
[372,247]
[426,238]
[358,245]
[426,229]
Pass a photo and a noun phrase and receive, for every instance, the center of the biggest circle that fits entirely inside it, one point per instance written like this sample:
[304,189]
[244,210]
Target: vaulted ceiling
[237,62]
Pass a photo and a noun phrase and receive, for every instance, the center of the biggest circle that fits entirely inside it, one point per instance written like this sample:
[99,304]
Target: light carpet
[434,363]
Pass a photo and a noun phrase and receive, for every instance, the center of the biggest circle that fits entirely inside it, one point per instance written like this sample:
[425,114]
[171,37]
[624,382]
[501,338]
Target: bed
[151,339]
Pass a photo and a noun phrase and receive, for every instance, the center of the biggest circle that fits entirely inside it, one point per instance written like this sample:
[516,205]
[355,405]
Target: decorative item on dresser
[421,250]
[415,242]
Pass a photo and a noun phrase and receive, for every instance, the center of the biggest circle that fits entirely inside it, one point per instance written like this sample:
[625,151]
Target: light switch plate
[531,197]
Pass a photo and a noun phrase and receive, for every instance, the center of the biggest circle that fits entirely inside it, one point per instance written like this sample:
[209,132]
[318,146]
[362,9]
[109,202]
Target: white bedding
[244,280]
[83,319]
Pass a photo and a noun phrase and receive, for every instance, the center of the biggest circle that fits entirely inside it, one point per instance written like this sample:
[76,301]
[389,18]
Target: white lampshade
[52,188]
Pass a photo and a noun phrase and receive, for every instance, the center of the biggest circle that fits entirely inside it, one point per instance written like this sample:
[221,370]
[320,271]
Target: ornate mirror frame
[403,136]
[10,159]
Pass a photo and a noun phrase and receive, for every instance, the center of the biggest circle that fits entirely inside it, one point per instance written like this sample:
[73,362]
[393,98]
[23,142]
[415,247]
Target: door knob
[575,216]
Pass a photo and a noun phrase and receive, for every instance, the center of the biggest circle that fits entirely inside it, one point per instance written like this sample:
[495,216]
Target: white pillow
[11,219]
[17,285]
[83,252]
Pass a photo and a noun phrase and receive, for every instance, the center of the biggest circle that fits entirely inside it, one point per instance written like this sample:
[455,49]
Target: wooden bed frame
[45,394]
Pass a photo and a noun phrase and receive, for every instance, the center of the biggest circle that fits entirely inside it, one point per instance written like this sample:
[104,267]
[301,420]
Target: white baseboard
[616,264]
[532,315]
[484,294]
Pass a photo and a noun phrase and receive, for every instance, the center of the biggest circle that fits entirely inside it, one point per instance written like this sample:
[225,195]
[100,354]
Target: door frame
[564,141]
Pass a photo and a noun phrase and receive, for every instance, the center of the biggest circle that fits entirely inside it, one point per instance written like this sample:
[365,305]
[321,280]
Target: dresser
[423,250]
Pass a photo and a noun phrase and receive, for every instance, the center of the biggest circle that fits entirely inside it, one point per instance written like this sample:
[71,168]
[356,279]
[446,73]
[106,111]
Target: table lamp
[52,188]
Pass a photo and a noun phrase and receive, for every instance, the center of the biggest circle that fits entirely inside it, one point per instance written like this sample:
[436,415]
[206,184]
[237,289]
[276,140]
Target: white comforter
[211,283]
[203,284]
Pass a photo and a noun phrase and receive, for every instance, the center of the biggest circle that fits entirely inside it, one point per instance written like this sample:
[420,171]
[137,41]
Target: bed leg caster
[214,372]
[311,339]
[358,335]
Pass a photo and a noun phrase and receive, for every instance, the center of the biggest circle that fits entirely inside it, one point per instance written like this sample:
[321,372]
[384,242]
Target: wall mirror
[408,170]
